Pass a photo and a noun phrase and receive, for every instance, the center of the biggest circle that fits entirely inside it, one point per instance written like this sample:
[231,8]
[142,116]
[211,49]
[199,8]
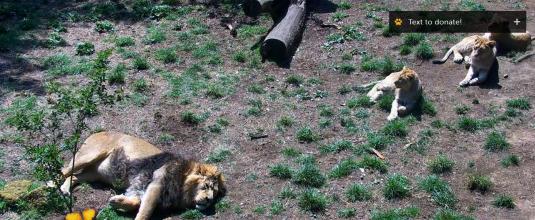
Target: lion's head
[206,186]
[482,47]
[406,78]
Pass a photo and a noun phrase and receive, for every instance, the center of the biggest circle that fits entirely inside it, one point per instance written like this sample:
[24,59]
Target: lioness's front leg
[482,77]
[149,201]
[468,77]
[394,111]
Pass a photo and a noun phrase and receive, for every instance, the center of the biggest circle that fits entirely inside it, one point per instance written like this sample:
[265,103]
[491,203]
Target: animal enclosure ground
[292,142]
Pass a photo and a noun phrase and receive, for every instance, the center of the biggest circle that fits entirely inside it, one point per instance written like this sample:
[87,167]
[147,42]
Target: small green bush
[413,39]
[192,214]
[362,101]
[346,68]
[520,103]
[218,155]
[309,175]
[396,127]
[306,134]
[191,118]
[510,160]
[290,152]
[347,213]
[379,141]
[124,41]
[85,48]
[385,102]
[140,85]
[448,214]
[103,26]
[140,63]
[343,169]
[166,55]
[405,50]
[375,163]
[154,35]
[396,214]
[295,80]
[281,171]
[118,74]
[424,51]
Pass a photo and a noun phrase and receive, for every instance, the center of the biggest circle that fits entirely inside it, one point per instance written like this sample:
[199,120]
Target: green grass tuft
[346,68]
[347,212]
[192,214]
[276,207]
[385,102]
[118,74]
[140,63]
[309,175]
[396,214]
[379,141]
[413,39]
[424,51]
[191,118]
[504,201]
[218,155]
[358,192]
[496,142]
[479,182]
[307,135]
[343,169]
[362,101]
[397,187]
[312,200]
[520,103]
[285,122]
[510,160]
[440,191]
[290,152]
[103,26]
[166,55]
[295,80]
[85,48]
[384,66]
[440,164]
[281,171]
[396,127]
[448,214]
[124,41]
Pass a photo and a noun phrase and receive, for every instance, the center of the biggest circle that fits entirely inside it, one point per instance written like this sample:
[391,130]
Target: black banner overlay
[457,21]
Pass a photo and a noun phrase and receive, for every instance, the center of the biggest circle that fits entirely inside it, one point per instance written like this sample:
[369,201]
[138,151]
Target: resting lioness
[481,60]
[151,177]
[407,88]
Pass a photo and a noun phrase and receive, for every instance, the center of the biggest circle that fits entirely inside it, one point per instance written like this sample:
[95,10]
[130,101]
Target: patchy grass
[166,55]
[496,142]
[154,35]
[312,200]
[385,102]
[250,31]
[307,135]
[428,107]
[124,41]
[85,48]
[336,147]
[140,63]
[479,182]
[520,103]
[440,191]
[118,74]
[295,80]
[397,214]
[413,39]
[343,169]
[449,214]
[358,192]
[378,140]
[290,152]
[440,164]
[510,160]
[471,125]
[371,162]
[462,109]
[104,26]
[504,201]
[347,212]
[362,101]
[346,68]
[396,128]
[191,118]
[424,51]
[287,193]
[309,175]
[397,186]
[384,65]
[405,50]
[219,155]
[285,122]
[326,111]
[276,207]
[472,5]
[281,171]
[192,214]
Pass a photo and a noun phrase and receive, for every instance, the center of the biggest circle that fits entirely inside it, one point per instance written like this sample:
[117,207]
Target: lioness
[481,60]
[407,88]
[152,178]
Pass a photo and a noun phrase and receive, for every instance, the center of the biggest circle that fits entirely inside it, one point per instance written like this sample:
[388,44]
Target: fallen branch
[523,57]
[322,24]
[378,154]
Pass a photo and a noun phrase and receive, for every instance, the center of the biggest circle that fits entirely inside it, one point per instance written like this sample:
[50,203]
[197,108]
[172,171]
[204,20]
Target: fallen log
[279,41]
[276,8]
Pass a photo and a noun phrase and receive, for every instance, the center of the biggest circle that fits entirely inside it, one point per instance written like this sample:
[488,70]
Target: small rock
[506,76]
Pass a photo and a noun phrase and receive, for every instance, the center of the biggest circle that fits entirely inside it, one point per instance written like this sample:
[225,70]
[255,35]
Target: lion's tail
[445,58]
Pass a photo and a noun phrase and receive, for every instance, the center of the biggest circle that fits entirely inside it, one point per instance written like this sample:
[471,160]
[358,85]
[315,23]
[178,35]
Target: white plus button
[516,21]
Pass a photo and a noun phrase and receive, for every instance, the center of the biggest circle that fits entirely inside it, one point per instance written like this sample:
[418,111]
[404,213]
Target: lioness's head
[206,186]
[482,46]
[406,78]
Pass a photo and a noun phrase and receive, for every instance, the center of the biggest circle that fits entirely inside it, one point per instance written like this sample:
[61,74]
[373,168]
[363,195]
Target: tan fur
[481,59]
[407,88]
[505,42]
[175,184]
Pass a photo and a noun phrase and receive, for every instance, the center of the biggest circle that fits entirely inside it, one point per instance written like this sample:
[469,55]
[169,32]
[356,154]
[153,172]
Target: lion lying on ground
[407,88]
[152,178]
[481,59]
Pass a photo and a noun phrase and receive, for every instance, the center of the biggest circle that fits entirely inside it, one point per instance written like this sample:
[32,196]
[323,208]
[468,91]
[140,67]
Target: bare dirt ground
[247,169]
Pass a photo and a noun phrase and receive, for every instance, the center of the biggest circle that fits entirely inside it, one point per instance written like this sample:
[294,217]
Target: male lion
[151,177]
[407,88]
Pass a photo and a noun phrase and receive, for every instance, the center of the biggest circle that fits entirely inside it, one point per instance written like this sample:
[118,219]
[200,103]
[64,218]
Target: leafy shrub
[103,26]
[510,160]
[504,201]
[385,102]
[124,41]
[342,169]
[55,40]
[479,182]
[396,127]
[424,51]
[496,142]
[309,175]
[85,48]
[295,80]
[281,171]
[413,39]
[140,63]
[306,134]
[346,68]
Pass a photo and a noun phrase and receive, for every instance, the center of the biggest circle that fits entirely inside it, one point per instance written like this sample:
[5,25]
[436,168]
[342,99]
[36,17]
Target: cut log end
[274,49]
[252,8]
